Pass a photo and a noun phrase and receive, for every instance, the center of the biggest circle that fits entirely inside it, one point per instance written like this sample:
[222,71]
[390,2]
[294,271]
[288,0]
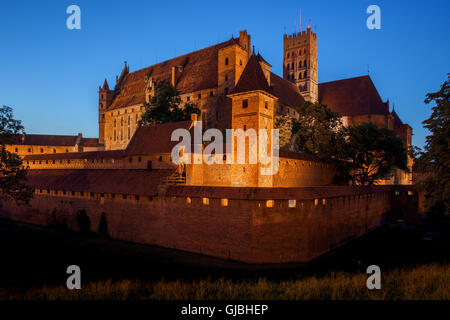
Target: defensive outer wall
[251,225]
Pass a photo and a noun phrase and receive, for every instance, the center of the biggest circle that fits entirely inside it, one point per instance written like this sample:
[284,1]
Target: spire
[105,85]
[252,78]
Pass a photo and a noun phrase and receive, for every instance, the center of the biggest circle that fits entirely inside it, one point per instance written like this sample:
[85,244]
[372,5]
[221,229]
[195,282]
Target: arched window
[304,75]
[115,123]
[287,67]
[288,55]
[304,64]
[226,61]
[300,75]
[292,66]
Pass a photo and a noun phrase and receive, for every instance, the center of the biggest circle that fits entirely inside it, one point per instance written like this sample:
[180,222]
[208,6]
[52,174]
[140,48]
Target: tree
[369,154]
[436,156]
[164,106]
[284,125]
[12,172]
[318,131]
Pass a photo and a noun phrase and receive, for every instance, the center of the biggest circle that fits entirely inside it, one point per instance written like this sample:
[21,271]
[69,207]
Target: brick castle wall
[244,230]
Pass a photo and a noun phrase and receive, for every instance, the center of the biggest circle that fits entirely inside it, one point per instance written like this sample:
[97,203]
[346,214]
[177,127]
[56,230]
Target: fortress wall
[244,230]
[283,234]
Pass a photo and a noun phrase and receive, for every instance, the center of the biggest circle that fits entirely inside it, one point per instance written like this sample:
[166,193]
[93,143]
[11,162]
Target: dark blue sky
[50,75]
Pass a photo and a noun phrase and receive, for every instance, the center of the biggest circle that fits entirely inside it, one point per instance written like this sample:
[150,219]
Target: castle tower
[252,109]
[300,62]
[105,97]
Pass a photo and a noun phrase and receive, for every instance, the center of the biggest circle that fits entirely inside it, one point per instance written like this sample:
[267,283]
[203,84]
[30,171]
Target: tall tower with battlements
[300,62]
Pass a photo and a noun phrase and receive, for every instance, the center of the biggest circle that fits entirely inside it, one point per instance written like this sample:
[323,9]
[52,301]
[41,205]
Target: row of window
[92,194]
[30,150]
[227,61]
[300,77]
[99,160]
[292,65]
[292,54]
[245,104]
[199,96]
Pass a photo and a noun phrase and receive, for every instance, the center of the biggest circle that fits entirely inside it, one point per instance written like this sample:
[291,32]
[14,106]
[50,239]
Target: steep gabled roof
[353,96]
[195,71]
[286,92]
[397,122]
[252,78]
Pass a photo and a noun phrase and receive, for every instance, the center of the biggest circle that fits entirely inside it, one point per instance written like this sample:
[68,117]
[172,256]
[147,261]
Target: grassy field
[430,281]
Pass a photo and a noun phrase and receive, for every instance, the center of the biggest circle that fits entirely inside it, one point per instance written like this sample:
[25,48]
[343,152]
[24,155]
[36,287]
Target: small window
[226,78]
[226,90]
[199,95]
[29,149]
[130,159]
[206,201]
[139,159]
[245,127]
[224,202]
[226,61]
[245,103]
[188,98]
[211,93]
[16,150]
[67,150]
[270,203]
[292,203]
[240,62]
[410,193]
[42,150]
[124,196]
[266,104]
[188,200]
[160,158]
[316,202]
[324,201]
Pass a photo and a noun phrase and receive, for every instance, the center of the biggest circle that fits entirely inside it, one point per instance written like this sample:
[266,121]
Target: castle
[226,210]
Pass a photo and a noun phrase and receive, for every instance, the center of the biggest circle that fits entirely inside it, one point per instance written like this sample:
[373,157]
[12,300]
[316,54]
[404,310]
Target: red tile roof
[90,142]
[110,154]
[351,97]
[252,78]
[199,71]
[46,140]
[122,181]
[155,139]
[286,92]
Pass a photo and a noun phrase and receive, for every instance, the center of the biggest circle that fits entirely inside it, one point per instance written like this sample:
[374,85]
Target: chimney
[22,138]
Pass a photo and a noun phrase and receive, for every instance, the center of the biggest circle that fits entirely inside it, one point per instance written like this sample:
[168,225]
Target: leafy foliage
[436,156]
[284,125]
[361,154]
[318,131]
[12,173]
[369,153]
[164,106]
